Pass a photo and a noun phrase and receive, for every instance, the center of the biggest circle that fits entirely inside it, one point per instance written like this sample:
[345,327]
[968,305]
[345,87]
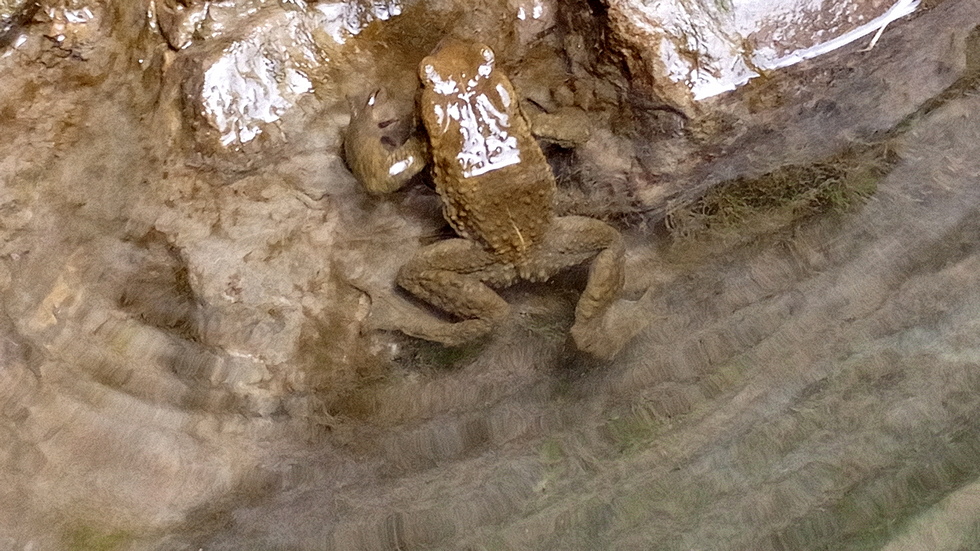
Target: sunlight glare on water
[254,81]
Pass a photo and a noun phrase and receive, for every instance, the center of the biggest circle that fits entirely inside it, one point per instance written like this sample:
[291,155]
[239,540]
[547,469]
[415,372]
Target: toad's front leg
[455,276]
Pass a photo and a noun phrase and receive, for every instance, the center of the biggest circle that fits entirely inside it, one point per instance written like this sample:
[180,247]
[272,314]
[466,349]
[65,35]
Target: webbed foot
[604,336]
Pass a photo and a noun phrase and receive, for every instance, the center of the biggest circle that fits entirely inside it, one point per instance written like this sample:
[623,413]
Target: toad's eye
[487,54]
[429,72]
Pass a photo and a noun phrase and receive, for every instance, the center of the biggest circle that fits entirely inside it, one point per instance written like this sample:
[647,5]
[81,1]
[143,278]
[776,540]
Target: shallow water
[183,366]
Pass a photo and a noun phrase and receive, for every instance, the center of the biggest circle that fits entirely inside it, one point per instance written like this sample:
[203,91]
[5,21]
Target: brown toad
[497,191]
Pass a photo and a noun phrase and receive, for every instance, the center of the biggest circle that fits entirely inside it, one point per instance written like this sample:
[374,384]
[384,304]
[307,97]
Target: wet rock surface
[183,359]
[707,48]
[14,14]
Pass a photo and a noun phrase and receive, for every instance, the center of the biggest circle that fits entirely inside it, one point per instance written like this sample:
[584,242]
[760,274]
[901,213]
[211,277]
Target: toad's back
[495,182]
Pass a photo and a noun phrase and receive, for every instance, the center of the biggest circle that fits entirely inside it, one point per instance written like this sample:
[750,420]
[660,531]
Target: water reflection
[255,80]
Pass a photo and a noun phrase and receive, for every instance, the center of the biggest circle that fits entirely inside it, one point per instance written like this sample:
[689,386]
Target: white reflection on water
[256,80]
[342,20]
[717,37]
[249,85]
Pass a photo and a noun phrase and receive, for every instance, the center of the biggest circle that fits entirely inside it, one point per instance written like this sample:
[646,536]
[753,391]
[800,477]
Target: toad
[497,191]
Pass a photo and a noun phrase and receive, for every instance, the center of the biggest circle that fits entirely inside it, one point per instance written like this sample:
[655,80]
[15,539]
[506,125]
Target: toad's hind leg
[570,241]
[452,275]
